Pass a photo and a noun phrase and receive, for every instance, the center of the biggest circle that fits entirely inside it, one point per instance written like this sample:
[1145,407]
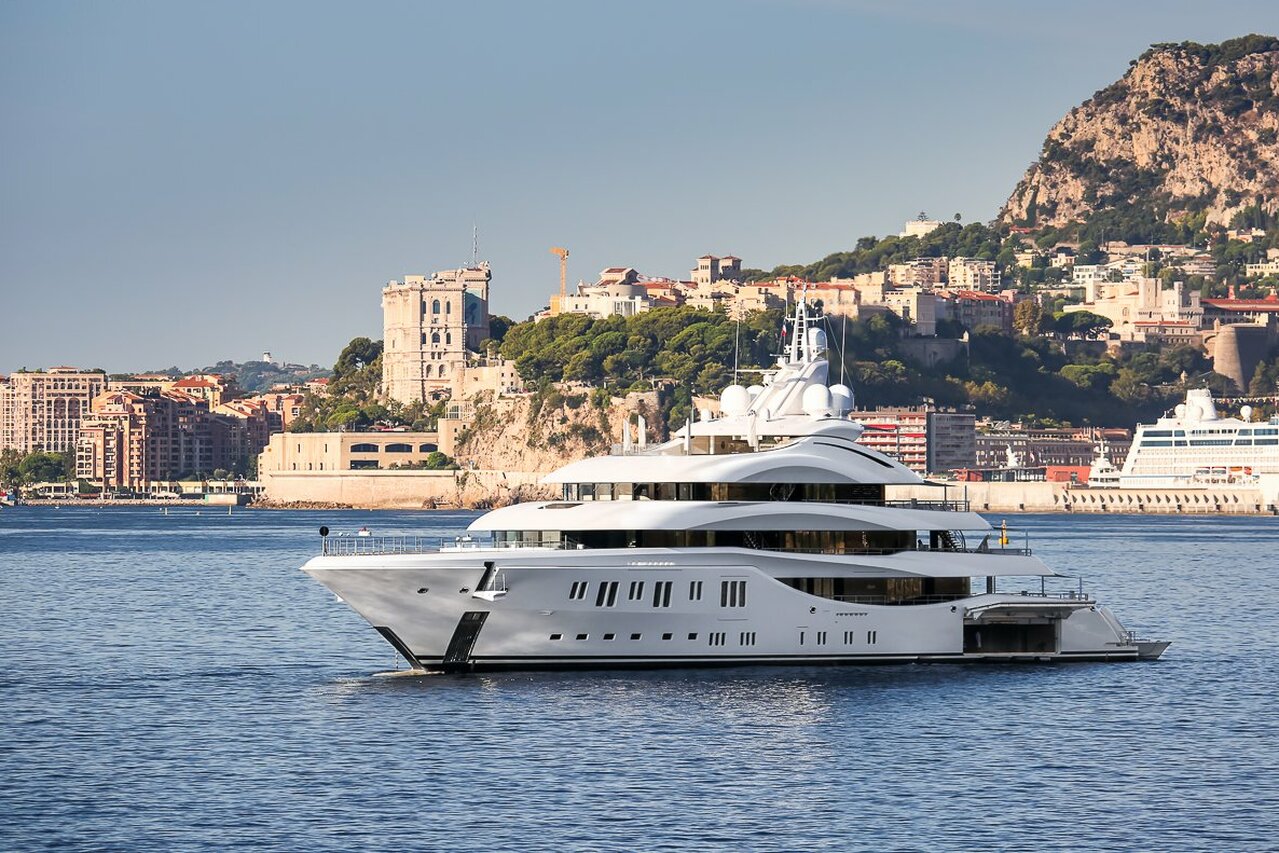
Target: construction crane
[562,254]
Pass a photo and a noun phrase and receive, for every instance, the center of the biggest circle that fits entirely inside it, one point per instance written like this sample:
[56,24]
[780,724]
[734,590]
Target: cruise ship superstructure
[757,535]
[1194,447]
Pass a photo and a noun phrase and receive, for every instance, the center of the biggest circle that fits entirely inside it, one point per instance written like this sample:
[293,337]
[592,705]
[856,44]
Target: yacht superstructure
[760,534]
[1196,448]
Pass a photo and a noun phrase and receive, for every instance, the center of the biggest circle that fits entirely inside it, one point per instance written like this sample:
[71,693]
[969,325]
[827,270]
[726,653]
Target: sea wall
[1063,497]
[402,489]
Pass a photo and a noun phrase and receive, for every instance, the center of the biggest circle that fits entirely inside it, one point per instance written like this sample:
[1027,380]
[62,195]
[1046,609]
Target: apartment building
[41,411]
[129,440]
[922,439]
[973,274]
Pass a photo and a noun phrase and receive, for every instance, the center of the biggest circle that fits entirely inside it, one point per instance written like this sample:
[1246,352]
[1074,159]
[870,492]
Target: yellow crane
[562,254]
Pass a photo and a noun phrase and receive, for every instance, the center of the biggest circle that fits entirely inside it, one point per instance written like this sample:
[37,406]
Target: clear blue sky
[182,182]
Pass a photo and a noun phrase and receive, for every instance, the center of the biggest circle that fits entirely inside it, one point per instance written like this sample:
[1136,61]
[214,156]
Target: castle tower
[429,325]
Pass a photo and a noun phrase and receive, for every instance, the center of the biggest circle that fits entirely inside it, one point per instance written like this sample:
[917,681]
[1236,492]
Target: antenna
[843,349]
[475,244]
[737,334]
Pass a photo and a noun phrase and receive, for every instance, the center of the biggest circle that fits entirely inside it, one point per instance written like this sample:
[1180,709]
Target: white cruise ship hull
[483,609]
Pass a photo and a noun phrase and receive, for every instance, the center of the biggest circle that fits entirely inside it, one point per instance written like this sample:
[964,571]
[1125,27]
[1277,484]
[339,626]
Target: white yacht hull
[430,607]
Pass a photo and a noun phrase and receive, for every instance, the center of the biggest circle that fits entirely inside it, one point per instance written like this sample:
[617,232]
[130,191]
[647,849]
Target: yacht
[1195,447]
[758,534]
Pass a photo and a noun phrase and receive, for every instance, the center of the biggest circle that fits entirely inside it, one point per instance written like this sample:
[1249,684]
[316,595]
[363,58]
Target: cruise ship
[1195,447]
[758,534]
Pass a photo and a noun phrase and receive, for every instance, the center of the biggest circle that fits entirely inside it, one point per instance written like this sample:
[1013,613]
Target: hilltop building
[429,327]
[1144,309]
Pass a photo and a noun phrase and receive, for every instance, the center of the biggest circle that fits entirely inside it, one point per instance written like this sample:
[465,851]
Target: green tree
[45,468]
[1028,317]
[359,353]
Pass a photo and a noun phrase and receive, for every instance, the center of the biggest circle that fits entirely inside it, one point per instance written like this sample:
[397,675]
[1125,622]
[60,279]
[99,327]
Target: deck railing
[356,545]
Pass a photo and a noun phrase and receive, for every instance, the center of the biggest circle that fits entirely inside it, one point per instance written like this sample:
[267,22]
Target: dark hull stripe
[493,663]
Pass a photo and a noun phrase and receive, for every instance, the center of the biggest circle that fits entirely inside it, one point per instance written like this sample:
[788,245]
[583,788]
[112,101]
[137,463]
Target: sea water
[174,682]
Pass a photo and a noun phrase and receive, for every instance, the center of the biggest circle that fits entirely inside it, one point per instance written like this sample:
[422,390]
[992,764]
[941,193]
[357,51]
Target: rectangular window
[821,638]
[610,636]
[607,595]
[694,590]
[747,638]
[871,636]
[662,593]
[636,591]
[716,638]
[578,591]
[636,636]
[582,636]
[557,636]
[667,636]
[732,594]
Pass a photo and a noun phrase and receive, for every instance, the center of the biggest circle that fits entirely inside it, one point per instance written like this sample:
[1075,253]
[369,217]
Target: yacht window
[586,491]
[641,492]
[636,636]
[666,636]
[821,638]
[636,591]
[732,594]
[662,593]
[557,636]
[607,595]
[604,491]
[578,591]
[694,590]
[693,635]
[610,636]
[582,636]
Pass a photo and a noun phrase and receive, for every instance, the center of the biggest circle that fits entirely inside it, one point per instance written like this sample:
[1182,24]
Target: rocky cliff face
[542,432]
[1190,129]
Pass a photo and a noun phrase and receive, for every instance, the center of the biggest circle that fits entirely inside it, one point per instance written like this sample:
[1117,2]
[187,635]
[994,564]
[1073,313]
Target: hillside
[1190,134]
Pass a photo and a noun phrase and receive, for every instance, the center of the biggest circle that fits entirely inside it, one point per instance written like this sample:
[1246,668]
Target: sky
[182,183]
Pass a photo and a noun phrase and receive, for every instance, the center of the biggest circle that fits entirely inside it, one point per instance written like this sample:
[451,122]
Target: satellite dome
[734,401]
[841,399]
[817,400]
[1180,411]
[817,339]
[754,390]
[1246,413]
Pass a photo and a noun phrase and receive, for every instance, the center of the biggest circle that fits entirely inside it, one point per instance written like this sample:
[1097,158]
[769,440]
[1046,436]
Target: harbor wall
[1065,497]
[402,489]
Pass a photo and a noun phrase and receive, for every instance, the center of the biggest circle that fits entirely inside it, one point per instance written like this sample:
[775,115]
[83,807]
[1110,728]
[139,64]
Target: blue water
[173,682]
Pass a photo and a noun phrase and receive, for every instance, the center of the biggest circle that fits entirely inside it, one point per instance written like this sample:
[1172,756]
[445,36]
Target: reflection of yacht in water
[1195,447]
[761,535]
